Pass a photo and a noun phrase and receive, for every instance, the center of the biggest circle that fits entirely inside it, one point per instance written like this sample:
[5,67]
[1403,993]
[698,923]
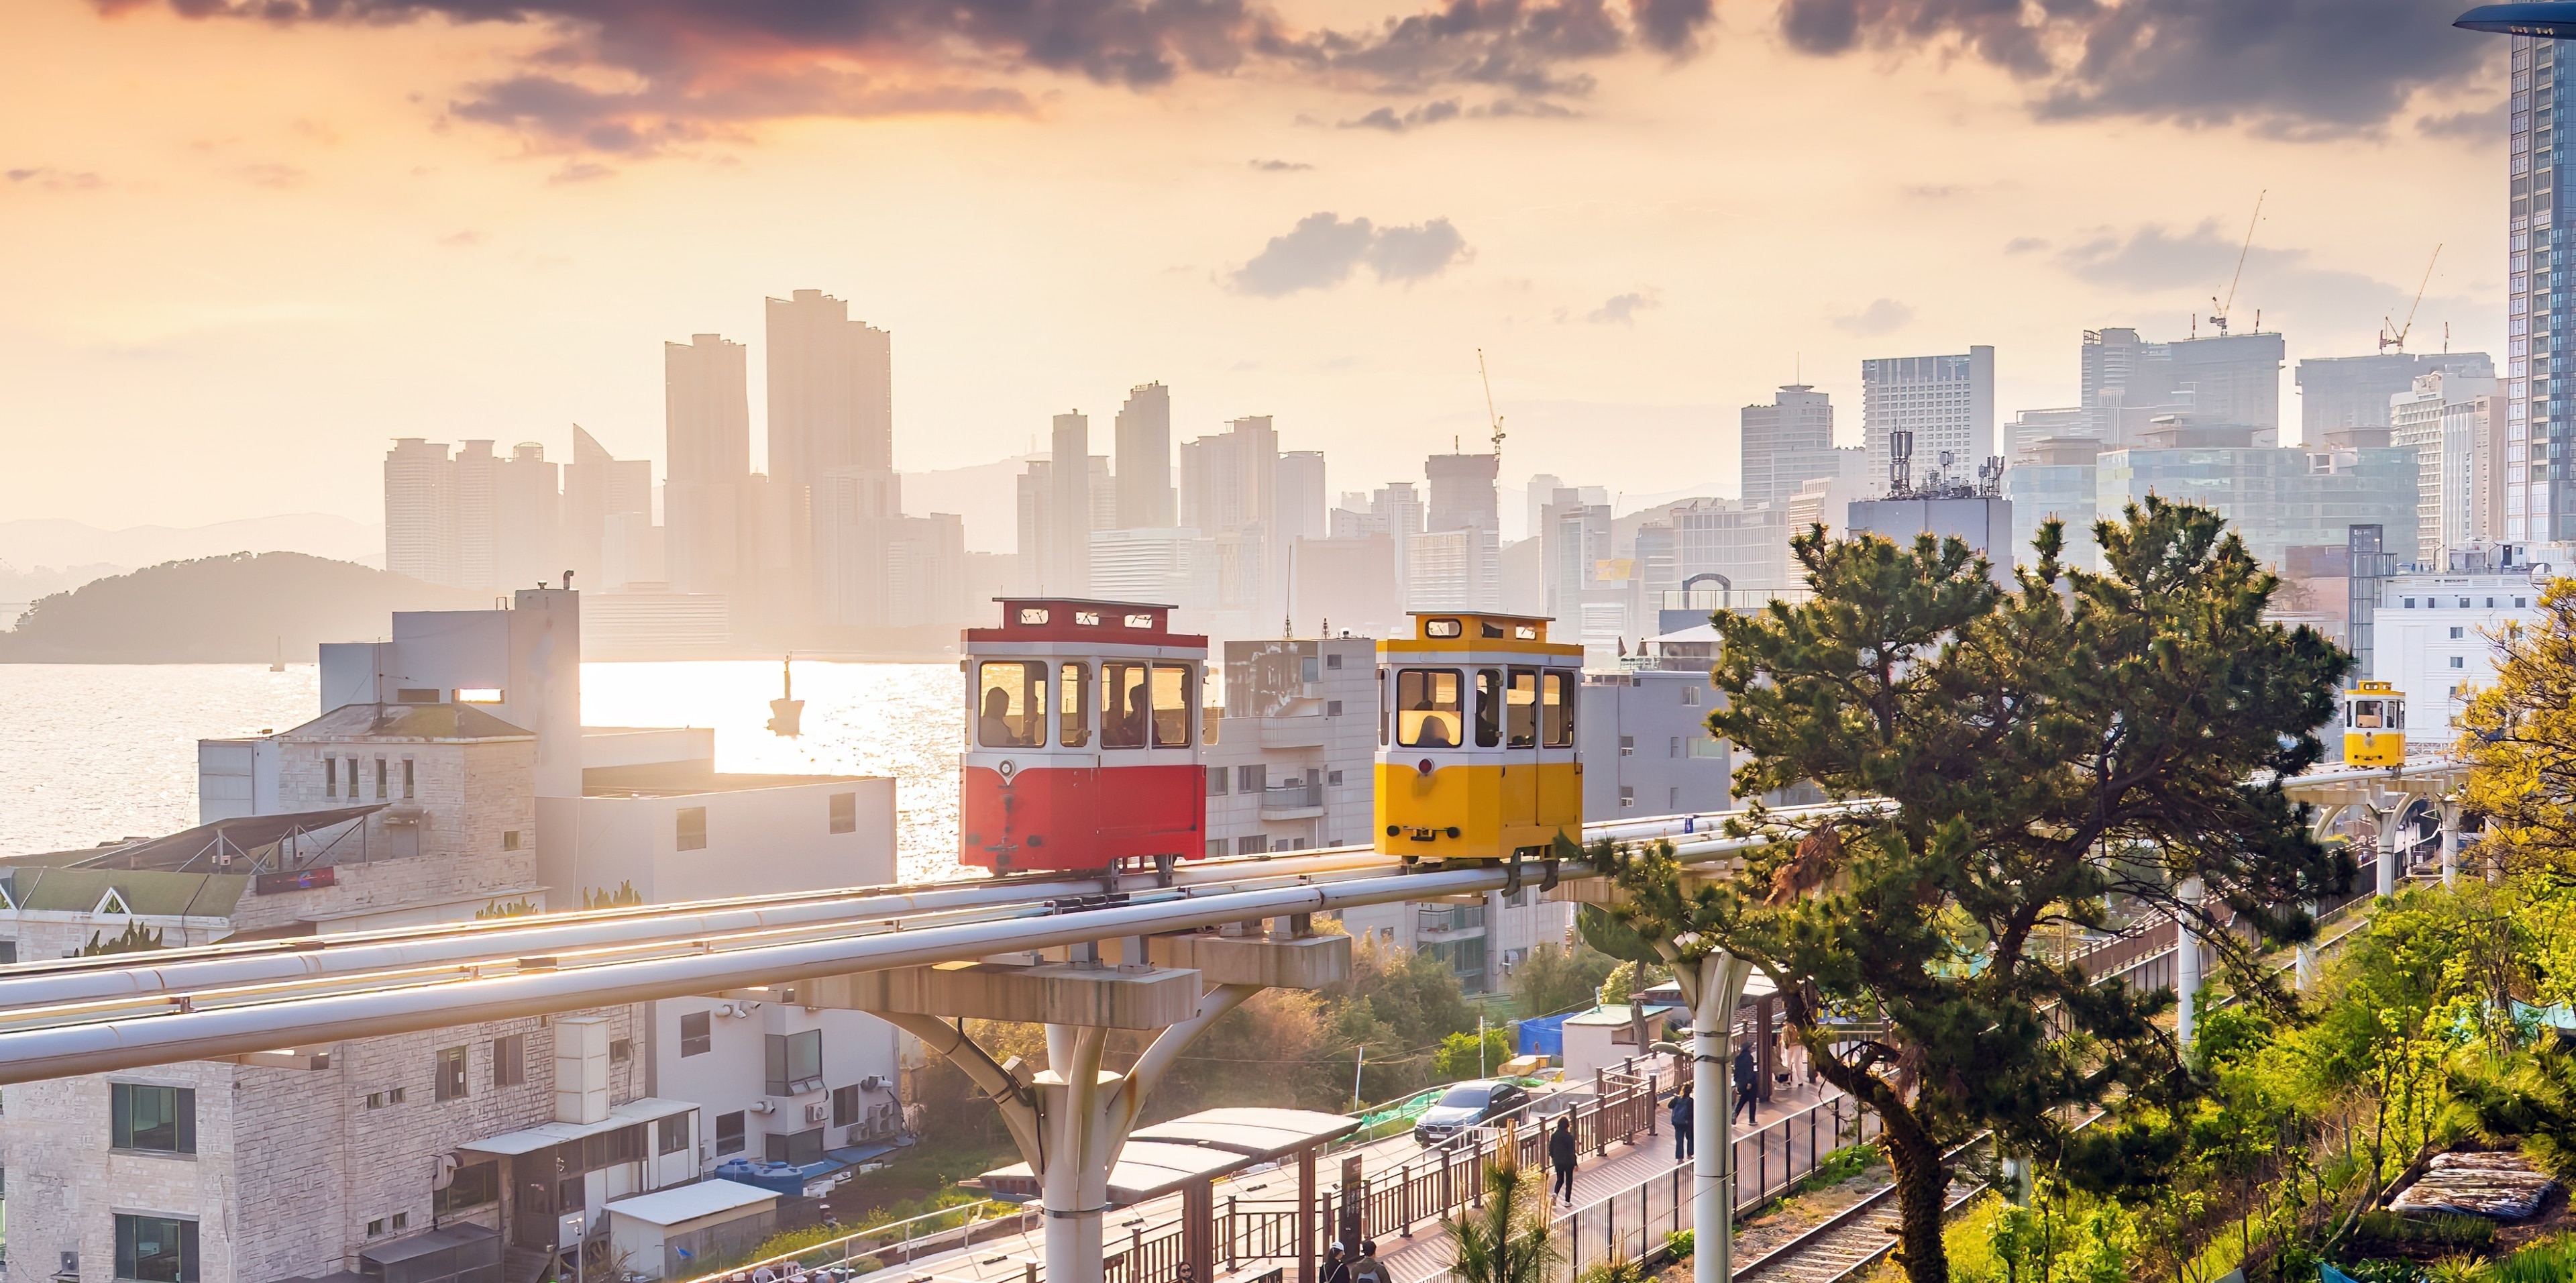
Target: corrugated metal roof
[690,1202]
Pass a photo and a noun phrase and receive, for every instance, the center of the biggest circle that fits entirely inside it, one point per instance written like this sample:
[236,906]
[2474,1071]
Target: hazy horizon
[248,253]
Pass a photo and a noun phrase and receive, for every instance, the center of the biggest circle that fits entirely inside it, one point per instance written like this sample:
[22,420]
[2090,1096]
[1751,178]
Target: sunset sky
[243,245]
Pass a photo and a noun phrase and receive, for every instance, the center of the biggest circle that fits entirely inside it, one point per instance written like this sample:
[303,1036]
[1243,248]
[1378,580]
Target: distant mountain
[26,545]
[230,609]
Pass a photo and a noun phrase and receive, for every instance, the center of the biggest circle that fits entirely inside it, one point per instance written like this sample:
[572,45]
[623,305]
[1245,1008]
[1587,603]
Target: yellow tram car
[1476,751]
[2374,725]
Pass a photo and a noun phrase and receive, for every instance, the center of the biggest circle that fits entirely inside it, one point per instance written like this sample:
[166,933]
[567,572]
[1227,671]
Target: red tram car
[1082,739]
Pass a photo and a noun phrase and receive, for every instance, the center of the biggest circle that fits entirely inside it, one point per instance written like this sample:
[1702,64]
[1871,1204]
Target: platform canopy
[1258,1134]
[1200,1147]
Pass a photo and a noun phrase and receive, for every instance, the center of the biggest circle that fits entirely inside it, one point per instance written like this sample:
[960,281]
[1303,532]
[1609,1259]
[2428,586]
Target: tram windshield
[1520,719]
[1123,705]
[1171,706]
[2373,715]
[1557,710]
[1074,696]
[1427,707]
[1011,699]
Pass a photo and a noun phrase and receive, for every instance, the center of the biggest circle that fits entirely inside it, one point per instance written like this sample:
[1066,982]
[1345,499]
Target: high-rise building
[1065,545]
[527,519]
[1786,442]
[1946,402]
[420,512]
[1575,527]
[607,514]
[2423,419]
[2339,392]
[2540,505]
[2275,498]
[2056,478]
[2231,380]
[706,399]
[831,407]
[1144,446]
[1230,494]
[1302,498]
[1462,491]
[2030,426]
[1540,492]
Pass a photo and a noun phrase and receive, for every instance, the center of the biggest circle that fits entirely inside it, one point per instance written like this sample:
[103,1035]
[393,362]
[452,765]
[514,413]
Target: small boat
[787,713]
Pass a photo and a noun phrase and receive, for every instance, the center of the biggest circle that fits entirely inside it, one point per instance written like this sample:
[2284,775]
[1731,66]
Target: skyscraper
[607,504]
[706,400]
[420,512]
[1947,402]
[1786,443]
[1144,458]
[1301,497]
[831,410]
[1462,491]
[2230,380]
[2339,392]
[1066,544]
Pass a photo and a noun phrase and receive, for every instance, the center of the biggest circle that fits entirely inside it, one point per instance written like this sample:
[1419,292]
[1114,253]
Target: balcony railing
[1429,918]
[1293,796]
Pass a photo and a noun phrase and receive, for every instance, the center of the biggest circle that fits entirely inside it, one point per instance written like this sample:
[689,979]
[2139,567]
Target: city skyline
[367,259]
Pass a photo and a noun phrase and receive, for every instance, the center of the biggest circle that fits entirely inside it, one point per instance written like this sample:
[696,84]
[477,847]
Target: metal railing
[893,1243]
[1448,917]
[1293,795]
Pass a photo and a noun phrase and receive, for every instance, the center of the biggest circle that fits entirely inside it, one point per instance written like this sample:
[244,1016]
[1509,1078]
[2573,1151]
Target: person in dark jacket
[1560,1155]
[1748,1081]
[1683,1116]
[1336,1270]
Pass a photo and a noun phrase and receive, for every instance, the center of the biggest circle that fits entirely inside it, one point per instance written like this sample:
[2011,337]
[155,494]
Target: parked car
[1464,1106]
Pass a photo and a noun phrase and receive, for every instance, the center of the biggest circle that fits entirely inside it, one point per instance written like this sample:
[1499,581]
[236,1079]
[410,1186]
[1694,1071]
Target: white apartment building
[1643,732]
[1293,766]
[1947,402]
[2435,633]
[2441,419]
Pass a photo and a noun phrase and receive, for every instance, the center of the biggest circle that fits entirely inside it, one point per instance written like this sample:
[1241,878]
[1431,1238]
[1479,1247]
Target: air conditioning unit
[873,1082]
[816,1113]
[762,1107]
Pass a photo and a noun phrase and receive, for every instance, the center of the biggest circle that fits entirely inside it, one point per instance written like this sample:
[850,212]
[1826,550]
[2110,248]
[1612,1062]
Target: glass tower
[2539,505]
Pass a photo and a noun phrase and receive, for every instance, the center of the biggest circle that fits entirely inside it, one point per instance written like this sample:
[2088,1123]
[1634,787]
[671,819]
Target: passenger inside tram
[1123,713]
[1014,706]
[1428,701]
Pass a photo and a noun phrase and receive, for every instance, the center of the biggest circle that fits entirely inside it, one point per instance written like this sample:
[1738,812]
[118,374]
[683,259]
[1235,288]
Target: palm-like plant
[1509,1239]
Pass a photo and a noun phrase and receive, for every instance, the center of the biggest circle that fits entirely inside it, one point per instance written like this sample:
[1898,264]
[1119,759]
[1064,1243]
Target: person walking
[1683,1115]
[1336,1270]
[1560,1155]
[1748,1083]
[1369,1269]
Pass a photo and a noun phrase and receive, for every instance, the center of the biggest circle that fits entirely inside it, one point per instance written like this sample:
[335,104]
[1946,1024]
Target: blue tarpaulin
[1544,1036]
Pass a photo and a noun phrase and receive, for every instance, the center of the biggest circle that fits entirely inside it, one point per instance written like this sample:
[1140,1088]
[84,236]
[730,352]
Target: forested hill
[229,609]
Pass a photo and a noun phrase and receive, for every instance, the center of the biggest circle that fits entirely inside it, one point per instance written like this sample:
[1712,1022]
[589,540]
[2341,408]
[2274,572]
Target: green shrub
[1678,1244]
[2551,1260]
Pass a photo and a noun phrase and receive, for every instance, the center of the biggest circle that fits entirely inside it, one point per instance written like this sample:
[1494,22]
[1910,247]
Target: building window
[156,1249]
[1333,778]
[1255,844]
[1216,846]
[729,1133]
[795,1063]
[672,1134]
[8,952]
[2519,602]
[472,1185]
[158,1120]
[447,1074]
[353,779]
[693,828]
[1673,799]
[2408,603]
[2458,632]
[1216,781]
[375,1227]
[1250,779]
[1675,748]
[384,1099]
[1332,708]
[330,776]
[696,1038]
[2458,661]
[380,779]
[845,813]
[1332,661]
[510,1060]
[1627,795]
[411,778]
[416,695]
[1690,696]
[509,839]
[2464,603]
[845,1105]
[1627,745]
[798,1148]
[620,1050]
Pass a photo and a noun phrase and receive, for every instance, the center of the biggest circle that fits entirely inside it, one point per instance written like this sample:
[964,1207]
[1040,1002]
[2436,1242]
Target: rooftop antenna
[2392,335]
[1489,407]
[2218,318]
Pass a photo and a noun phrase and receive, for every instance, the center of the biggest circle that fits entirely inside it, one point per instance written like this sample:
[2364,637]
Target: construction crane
[2219,310]
[2394,336]
[1497,420]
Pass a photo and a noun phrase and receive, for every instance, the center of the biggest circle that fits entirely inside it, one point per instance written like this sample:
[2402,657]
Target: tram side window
[2365,714]
[1013,700]
[1074,696]
[1520,715]
[1556,708]
[1426,704]
[1489,707]
[1171,706]
[1122,705]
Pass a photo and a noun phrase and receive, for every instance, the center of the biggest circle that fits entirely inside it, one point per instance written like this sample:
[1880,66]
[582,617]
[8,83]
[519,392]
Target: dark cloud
[2299,68]
[698,68]
[2199,263]
[2025,244]
[2483,125]
[1280,166]
[1620,309]
[1322,251]
[52,179]
[1433,113]
[1882,316]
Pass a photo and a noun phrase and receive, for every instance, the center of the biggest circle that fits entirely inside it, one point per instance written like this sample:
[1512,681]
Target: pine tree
[2019,734]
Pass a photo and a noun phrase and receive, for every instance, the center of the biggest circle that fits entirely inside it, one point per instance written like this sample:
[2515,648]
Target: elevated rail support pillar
[1713,985]
[2186,965]
[2450,841]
